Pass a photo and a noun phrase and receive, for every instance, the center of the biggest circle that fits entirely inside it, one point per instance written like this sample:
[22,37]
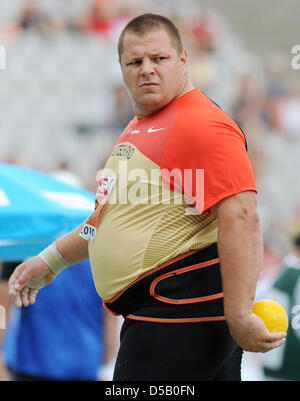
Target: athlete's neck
[187,87]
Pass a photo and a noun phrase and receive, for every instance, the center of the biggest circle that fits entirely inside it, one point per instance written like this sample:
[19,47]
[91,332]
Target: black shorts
[175,328]
[151,351]
[8,269]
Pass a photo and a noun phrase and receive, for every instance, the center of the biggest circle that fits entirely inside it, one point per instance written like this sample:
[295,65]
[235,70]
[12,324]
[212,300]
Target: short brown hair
[150,22]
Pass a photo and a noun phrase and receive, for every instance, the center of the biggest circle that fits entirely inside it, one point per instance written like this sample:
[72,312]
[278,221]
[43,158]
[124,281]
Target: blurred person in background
[5,303]
[286,111]
[61,337]
[29,16]
[172,330]
[114,110]
[202,34]
[98,18]
[283,363]
[249,113]
[32,18]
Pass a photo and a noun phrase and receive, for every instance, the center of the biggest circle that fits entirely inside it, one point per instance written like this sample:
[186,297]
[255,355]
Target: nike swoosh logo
[151,129]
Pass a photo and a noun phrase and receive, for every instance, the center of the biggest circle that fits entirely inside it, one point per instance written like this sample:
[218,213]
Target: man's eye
[160,58]
[135,62]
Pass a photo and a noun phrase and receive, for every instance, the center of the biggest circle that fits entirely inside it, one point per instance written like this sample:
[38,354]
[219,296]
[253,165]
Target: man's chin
[152,101]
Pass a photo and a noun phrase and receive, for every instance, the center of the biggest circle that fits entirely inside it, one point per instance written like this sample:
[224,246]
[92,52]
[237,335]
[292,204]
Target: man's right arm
[41,270]
[73,248]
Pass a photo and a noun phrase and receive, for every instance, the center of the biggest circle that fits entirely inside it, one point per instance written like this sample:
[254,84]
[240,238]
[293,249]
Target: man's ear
[120,63]
[184,56]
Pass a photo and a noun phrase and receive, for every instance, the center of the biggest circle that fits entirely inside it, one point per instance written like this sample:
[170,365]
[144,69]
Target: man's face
[153,71]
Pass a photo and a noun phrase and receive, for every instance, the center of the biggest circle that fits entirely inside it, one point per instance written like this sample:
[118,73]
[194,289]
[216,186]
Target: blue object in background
[59,337]
[35,209]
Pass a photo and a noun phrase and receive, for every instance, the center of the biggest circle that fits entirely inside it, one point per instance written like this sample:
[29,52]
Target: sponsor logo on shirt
[133,131]
[105,186]
[152,129]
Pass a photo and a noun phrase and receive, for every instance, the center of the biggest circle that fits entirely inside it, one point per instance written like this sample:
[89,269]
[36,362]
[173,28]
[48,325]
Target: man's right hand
[252,335]
[27,279]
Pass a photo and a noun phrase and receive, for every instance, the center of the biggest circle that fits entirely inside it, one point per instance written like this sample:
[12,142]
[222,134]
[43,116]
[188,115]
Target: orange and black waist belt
[185,289]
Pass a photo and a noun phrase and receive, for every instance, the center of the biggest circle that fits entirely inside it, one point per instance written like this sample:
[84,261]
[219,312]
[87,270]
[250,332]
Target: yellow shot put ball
[273,315]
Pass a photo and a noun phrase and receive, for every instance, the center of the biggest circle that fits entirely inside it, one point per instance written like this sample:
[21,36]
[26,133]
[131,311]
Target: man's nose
[147,67]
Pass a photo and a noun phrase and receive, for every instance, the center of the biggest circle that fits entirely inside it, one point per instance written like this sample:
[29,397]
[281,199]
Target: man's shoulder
[199,112]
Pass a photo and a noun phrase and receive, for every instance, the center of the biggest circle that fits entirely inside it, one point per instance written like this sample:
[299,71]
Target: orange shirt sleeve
[207,152]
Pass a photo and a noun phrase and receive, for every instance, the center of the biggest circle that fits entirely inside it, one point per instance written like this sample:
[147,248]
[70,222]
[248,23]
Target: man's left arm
[240,248]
